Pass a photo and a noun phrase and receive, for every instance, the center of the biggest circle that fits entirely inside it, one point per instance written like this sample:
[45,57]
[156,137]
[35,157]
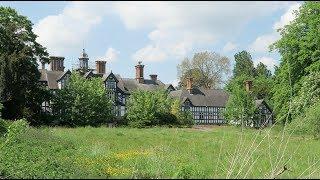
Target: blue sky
[160,34]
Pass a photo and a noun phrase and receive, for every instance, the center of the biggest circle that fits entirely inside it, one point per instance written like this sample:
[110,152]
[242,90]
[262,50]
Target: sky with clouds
[160,34]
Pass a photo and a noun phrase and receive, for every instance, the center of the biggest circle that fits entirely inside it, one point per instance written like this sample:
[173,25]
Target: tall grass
[219,152]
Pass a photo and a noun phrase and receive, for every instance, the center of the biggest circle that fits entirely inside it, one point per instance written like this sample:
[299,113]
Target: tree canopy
[240,107]
[244,64]
[299,47]
[208,69]
[19,76]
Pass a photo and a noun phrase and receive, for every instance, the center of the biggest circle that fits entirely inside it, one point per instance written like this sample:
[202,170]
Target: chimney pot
[56,63]
[101,67]
[189,84]
[248,84]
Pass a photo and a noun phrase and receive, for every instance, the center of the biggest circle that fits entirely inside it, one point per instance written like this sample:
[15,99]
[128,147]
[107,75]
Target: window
[111,84]
[46,106]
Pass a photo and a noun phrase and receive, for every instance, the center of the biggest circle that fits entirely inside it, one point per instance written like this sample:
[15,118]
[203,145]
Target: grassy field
[199,152]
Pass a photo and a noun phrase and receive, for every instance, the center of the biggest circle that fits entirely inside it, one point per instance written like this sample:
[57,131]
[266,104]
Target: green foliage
[130,153]
[244,64]
[307,123]
[37,154]
[207,69]
[146,108]
[19,75]
[299,47]
[183,117]
[308,94]
[240,108]
[3,127]
[262,87]
[15,130]
[261,70]
[82,102]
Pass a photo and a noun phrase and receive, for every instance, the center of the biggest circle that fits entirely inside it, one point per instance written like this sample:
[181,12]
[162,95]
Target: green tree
[262,70]
[183,117]
[82,102]
[19,75]
[244,64]
[146,108]
[240,108]
[208,69]
[299,47]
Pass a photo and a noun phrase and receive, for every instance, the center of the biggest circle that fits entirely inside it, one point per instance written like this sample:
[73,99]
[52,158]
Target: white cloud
[287,17]
[68,30]
[177,27]
[111,54]
[149,53]
[229,47]
[268,61]
[262,43]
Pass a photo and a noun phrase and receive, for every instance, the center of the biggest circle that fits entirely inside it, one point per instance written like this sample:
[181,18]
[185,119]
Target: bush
[147,108]
[16,129]
[309,123]
[82,102]
[183,118]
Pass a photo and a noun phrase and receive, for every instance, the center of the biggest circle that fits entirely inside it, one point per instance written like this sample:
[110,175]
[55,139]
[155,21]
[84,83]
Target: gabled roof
[167,86]
[127,85]
[50,77]
[260,102]
[203,97]
[62,75]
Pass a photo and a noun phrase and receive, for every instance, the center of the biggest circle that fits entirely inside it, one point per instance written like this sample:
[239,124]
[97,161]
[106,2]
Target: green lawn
[215,152]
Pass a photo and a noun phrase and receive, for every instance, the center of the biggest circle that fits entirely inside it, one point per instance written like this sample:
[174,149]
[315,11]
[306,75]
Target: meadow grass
[216,152]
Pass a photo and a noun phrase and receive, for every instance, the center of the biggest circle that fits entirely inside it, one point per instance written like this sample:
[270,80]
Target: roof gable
[63,75]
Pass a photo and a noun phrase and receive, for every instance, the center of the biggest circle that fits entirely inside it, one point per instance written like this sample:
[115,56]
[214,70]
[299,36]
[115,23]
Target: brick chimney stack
[101,67]
[153,77]
[248,84]
[189,84]
[56,63]
[139,72]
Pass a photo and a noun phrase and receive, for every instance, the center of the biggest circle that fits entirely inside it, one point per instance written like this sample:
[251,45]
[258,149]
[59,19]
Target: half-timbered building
[206,105]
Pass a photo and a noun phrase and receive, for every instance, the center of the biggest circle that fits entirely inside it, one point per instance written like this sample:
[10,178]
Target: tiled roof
[128,85]
[50,77]
[203,97]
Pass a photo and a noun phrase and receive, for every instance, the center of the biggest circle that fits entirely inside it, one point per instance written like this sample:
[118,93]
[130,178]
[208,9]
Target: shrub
[16,129]
[240,107]
[308,123]
[82,102]
[183,118]
[147,108]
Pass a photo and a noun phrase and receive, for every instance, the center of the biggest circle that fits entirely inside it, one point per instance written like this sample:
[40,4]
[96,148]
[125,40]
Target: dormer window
[111,84]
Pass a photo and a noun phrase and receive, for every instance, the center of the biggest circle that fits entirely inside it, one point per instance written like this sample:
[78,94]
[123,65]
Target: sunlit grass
[217,152]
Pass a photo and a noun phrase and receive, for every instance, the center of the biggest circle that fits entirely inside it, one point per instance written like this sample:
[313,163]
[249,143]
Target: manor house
[206,105]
